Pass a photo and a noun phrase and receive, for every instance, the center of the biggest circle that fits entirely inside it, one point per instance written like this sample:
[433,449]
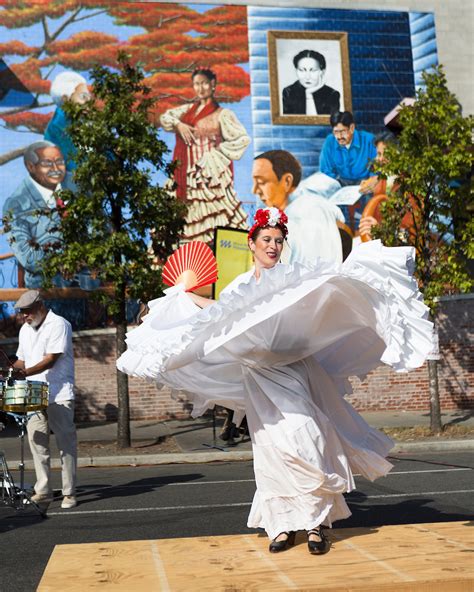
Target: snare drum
[25,395]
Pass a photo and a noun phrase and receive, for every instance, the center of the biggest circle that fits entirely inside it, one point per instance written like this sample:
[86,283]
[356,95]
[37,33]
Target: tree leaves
[432,162]
[117,206]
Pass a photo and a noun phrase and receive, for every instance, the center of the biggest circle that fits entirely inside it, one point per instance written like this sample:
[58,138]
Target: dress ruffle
[370,305]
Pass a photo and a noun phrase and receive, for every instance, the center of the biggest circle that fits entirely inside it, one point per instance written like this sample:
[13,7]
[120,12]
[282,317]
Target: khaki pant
[59,417]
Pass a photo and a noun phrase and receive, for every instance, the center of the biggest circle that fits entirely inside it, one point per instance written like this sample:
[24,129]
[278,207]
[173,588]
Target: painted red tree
[175,40]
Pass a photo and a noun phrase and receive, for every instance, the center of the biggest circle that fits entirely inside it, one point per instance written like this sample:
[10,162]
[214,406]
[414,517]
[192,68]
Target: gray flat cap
[27,299]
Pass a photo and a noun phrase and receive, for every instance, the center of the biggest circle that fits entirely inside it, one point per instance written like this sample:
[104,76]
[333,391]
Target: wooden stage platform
[418,557]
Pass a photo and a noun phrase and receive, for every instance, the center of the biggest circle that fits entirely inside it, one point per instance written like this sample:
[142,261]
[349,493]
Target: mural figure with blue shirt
[347,152]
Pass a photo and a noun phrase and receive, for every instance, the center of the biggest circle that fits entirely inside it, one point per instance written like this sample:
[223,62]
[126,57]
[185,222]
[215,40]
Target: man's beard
[36,322]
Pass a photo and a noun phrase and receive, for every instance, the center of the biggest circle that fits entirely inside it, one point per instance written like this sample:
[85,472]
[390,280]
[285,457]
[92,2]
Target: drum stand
[11,494]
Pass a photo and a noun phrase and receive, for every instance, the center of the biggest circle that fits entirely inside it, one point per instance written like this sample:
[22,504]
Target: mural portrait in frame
[309,76]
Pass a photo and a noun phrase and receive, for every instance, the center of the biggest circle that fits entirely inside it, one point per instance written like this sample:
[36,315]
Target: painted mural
[209,68]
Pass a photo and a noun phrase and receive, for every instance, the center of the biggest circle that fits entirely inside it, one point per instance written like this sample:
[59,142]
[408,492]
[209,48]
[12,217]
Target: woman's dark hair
[344,117]
[385,137]
[257,231]
[207,72]
[283,162]
[309,53]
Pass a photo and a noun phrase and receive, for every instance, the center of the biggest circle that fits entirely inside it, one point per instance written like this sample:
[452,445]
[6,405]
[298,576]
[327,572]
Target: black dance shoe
[277,546]
[318,547]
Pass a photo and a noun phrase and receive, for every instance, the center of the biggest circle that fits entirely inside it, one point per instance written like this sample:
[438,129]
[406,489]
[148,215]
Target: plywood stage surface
[417,557]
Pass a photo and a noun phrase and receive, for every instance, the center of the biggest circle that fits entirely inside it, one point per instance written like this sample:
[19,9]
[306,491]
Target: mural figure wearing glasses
[347,152]
[208,139]
[309,95]
[29,220]
[73,87]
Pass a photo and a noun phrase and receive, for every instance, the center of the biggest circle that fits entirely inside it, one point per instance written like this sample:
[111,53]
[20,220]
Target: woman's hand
[186,132]
[366,224]
[368,185]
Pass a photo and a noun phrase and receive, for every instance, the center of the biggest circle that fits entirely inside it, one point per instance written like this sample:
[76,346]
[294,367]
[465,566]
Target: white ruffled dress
[280,350]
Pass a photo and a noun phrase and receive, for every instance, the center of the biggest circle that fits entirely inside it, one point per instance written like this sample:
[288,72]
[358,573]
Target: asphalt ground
[169,501]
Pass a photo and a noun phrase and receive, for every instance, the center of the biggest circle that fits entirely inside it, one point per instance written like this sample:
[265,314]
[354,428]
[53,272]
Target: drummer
[45,354]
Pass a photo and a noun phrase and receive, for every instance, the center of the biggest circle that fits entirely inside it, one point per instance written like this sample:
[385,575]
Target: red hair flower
[269,217]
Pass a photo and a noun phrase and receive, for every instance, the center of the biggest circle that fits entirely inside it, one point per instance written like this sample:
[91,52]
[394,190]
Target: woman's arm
[200,300]
[170,119]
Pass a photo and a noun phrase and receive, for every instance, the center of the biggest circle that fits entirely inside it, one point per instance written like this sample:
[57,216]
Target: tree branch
[29,130]
[88,16]
[47,37]
[8,156]
[71,19]
[33,105]
[167,20]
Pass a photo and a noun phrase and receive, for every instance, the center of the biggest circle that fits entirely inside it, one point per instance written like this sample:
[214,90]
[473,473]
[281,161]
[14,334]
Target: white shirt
[310,104]
[54,336]
[312,229]
[47,194]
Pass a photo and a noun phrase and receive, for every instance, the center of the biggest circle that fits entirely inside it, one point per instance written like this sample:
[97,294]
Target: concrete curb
[146,459]
[232,455]
[434,446]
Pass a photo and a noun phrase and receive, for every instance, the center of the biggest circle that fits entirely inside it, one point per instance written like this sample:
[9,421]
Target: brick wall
[96,384]
[382,390]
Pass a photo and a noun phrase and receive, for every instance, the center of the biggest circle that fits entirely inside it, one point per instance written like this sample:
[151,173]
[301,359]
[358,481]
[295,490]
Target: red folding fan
[193,264]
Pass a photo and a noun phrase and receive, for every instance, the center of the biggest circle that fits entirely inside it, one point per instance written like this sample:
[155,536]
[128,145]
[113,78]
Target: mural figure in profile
[309,95]
[72,87]
[208,139]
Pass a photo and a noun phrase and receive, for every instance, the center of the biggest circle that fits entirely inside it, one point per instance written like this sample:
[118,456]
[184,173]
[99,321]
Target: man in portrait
[312,220]
[309,95]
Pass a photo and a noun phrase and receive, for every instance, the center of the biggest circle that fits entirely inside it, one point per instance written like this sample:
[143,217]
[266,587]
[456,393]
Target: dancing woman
[279,346]
[208,139]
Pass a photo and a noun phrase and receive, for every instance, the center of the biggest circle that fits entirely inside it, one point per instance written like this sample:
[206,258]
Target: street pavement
[184,500]
[197,439]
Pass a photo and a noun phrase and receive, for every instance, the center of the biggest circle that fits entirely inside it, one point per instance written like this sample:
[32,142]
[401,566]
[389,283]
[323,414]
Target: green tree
[432,162]
[107,222]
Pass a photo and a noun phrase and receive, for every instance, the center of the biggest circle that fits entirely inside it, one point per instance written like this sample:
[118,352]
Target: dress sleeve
[172,117]
[243,278]
[215,163]
[234,134]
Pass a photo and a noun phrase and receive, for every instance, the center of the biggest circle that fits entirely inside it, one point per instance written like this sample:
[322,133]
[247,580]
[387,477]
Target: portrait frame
[283,46]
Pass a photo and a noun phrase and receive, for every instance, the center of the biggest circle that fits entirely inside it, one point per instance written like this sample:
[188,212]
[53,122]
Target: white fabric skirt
[307,443]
